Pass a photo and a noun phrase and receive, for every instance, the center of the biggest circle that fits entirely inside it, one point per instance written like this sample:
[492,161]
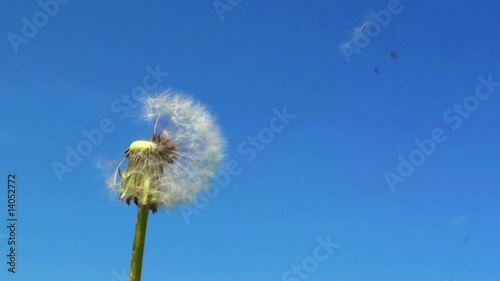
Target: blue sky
[323,177]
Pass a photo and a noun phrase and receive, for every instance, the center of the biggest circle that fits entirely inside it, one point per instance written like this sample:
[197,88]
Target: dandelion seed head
[183,155]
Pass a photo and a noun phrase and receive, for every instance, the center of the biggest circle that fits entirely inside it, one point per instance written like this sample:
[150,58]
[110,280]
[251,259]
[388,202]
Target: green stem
[139,241]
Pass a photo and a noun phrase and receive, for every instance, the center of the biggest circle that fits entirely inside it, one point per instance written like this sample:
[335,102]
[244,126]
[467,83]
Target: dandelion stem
[138,247]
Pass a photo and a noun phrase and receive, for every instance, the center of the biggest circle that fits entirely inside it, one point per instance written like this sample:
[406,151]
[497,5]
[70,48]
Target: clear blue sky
[321,177]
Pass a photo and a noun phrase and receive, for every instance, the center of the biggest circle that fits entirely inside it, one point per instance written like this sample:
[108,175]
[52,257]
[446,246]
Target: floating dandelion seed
[170,169]
[393,55]
[359,30]
[356,33]
[179,160]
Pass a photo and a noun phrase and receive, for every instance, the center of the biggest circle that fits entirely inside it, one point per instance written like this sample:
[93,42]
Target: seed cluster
[146,163]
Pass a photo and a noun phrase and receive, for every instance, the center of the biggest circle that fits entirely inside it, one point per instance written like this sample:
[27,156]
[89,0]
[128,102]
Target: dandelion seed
[359,30]
[393,55]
